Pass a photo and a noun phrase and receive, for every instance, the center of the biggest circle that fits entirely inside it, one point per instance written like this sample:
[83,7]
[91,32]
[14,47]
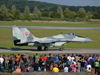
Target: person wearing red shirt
[44,59]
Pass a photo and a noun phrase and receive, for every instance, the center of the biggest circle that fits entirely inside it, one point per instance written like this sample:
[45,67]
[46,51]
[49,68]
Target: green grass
[6,35]
[32,54]
[29,23]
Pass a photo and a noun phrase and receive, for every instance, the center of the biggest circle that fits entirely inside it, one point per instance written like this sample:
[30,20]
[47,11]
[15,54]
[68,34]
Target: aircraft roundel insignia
[26,33]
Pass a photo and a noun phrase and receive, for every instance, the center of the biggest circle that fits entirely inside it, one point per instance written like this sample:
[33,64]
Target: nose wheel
[45,48]
[62,48]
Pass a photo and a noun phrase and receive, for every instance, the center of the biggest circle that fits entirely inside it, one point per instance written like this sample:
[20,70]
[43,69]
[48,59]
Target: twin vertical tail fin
[22,35]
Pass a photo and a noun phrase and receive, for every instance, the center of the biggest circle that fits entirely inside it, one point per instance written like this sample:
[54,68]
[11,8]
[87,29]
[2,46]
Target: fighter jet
[23,37]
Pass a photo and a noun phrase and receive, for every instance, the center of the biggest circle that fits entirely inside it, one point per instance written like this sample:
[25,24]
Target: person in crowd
[55,69]
[52,61]
[27,56]
[89,67]
[1,60]
[24,58]
[57,60]
[65,68]
[96,66]
[35,66]
[74,68]
[82,56]
[54,58]
[72,65]
[10,64]
[23,69]
[34,58]
[15,64]
[86,57]
[74,62]
[52,68]
[31,60]
[69,68]
[6,62]
[99,59]
[64,60]
[93,58]
[48,63]
[98,71]
[18,57]
[82,65]
[69,62]
[78,66]
[72,58]
[77,58]
[90,58]
[86,63]
[40,62]
[61,68]
[43,67]
[18,70]
[20,61]
[68,57]
[44,59]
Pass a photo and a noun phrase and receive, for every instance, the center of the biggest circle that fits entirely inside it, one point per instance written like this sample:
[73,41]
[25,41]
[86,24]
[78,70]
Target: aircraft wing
[45,41]
[51,41]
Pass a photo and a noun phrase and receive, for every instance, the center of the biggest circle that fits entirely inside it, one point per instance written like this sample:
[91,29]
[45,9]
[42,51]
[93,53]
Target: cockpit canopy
[73,34]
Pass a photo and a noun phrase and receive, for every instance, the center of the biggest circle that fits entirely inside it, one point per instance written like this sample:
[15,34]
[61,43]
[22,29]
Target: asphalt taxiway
[53,51]
[44,27]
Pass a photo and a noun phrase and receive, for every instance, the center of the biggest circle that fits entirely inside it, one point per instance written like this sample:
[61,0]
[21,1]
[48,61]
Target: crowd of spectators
[54,63]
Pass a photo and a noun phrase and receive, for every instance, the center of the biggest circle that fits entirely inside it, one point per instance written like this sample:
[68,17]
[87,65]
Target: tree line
[15,14]
[43,6]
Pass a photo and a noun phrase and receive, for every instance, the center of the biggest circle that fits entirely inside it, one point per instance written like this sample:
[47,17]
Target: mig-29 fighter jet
[23,37]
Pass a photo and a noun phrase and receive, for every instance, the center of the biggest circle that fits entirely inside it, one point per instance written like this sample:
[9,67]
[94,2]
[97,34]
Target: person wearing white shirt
[1,60]
[69,57]
[72,58]
[89,68]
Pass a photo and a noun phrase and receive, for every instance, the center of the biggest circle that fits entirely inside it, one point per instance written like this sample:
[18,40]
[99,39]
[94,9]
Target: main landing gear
[40,48]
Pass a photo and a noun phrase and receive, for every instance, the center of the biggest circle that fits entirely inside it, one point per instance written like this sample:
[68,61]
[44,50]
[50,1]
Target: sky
[74,2]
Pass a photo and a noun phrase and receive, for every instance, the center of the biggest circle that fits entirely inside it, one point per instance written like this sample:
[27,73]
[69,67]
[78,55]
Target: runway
[53,51]
[44,27]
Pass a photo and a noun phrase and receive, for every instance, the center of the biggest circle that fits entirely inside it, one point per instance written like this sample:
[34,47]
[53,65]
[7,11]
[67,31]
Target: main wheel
[39,48]
[61,49]
[45,48]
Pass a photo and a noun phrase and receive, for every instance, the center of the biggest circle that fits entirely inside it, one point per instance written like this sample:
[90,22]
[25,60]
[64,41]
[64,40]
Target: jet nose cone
[88,40]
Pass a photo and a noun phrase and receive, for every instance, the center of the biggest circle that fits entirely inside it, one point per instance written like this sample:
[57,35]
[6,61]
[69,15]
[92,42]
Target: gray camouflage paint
[51,41]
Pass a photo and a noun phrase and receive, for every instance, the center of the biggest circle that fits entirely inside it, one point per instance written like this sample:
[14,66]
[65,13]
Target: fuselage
[58,40]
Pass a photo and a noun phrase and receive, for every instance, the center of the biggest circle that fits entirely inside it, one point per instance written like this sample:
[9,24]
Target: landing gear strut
[39,48]
[61,49]
[45,48]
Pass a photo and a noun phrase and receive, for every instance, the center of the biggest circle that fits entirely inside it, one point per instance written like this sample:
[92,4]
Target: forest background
[33,10]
